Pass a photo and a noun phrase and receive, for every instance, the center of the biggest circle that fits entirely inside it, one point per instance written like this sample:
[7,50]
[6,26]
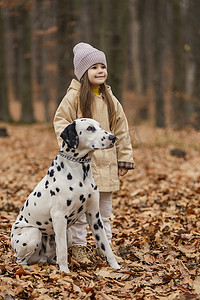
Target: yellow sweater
[96,90]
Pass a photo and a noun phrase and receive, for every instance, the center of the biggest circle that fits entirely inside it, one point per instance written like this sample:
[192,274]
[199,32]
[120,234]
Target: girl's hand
[122,171]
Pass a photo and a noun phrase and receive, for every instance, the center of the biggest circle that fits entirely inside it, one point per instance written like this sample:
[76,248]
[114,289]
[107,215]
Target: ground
[155,220]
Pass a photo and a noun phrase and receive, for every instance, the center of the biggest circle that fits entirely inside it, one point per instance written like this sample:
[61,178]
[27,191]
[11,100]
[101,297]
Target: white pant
[78,231]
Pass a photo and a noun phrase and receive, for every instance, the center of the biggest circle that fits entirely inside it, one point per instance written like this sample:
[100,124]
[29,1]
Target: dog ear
[70,136]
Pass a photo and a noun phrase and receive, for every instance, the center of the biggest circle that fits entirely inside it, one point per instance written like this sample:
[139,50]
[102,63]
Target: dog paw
[115,265]
[64,269]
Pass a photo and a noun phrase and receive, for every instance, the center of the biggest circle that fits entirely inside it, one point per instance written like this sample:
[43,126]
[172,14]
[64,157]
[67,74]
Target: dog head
[87,134]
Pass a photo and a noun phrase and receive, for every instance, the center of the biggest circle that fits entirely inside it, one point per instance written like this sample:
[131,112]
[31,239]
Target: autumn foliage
[155,220]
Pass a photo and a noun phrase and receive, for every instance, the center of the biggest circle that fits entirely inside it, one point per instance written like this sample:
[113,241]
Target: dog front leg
[60,226]
[96,224]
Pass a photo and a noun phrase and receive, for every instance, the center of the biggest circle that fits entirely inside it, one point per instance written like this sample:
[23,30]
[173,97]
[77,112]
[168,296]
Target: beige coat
[104,162]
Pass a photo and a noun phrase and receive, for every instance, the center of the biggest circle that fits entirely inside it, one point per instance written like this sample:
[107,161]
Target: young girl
[90,97]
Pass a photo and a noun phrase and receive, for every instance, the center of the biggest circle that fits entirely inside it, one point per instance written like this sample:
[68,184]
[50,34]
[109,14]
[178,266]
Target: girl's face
[97,75]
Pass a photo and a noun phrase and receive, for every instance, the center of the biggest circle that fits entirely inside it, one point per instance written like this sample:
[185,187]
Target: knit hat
[86,56]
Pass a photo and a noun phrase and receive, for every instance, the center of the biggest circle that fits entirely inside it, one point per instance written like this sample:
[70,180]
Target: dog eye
[91,128]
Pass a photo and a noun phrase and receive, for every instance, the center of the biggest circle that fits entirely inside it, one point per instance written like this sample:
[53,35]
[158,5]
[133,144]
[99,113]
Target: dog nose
[112,138]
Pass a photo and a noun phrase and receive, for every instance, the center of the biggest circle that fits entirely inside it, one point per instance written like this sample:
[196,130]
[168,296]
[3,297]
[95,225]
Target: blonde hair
[87,97]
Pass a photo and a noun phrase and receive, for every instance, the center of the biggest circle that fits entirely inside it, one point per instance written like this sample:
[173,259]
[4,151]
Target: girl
[90,97]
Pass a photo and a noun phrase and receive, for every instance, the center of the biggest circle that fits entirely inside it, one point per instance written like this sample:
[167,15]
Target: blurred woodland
[152,49]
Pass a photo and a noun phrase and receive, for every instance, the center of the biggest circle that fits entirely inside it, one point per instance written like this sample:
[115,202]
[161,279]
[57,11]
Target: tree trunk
[158,48]
[115,16]
[66,21]
[178,102]
[134,68]
[196,44]
[4,102]
[25,70]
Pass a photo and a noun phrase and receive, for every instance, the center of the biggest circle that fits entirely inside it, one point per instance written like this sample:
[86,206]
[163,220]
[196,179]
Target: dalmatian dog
[68,190]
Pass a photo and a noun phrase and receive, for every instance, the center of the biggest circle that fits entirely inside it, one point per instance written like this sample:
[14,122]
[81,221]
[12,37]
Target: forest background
[152,49]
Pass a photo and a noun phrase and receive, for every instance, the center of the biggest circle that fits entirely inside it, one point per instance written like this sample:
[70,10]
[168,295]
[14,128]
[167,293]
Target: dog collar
[80,160]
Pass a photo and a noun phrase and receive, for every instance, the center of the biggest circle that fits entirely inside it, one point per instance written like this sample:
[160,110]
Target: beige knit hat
[86,56]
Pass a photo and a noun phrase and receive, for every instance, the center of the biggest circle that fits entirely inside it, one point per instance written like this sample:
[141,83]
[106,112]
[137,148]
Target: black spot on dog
[17,241]
[57,190]
[89,195]
[62,165]
[52,164]
[69,176]
[35,203]
[95,188]
[22,208]
[69,202]
[51,173]
[80,209]
[103,247]
[21,218]
[39,194]
[66,217]
[96,227]
[46,184]
[102,145]
[92,185]
[58,168]
[85,170]
[26,220]
[42,229]
[67,149]
[50,219]
[52,193]
[38,223]
[80,132]
[27,202]
[54,179]
[97,237]
[24,244]
[46,223]
[80,184]
[100,224]
[81,197]
[35,194]
[97,215]
[71,188]
[71,215]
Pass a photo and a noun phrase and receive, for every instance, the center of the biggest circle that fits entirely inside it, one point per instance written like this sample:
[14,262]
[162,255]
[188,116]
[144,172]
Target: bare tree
[178,102]
[4,103]
[25,70]
[159,9]
[114,38]
[67,13]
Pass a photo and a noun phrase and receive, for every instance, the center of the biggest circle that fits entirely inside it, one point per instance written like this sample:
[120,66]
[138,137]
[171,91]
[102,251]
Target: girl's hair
[87,97]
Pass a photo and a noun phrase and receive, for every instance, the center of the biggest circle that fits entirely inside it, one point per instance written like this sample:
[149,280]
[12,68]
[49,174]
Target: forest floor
[156,224]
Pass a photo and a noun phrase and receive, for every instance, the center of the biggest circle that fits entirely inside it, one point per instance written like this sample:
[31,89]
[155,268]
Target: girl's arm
[123,144]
